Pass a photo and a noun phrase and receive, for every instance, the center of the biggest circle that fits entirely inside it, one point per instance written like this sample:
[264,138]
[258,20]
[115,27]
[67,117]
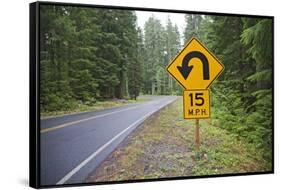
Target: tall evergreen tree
[192,29]
[155,52]
[258,39]
[172,48]
[135,68]
[56,34]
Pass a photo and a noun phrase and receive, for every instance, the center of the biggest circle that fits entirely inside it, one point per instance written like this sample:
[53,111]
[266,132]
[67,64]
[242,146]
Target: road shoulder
[163,147]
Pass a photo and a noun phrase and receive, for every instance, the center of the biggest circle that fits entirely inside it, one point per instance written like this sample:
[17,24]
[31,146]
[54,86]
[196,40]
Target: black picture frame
[34,92]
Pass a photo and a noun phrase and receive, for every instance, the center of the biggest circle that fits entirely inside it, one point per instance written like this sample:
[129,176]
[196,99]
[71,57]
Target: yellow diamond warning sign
[195,67]
[196,104]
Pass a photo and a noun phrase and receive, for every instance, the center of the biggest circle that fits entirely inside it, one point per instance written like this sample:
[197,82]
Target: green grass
[164,147]
[222,153]
[99,105]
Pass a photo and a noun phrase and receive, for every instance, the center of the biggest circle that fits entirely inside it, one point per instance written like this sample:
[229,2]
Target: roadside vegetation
[98,105]
[164,147]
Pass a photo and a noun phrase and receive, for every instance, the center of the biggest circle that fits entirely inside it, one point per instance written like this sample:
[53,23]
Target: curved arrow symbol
[185,69]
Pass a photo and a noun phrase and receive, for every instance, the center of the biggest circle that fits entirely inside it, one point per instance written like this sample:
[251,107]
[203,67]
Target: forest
[89,55]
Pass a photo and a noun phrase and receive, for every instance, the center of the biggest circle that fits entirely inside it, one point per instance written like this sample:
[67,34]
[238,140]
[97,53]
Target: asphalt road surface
[72,146]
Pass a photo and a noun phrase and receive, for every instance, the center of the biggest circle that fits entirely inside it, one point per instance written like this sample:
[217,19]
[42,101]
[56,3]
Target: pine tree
[55,36]
[192,28]
[155,53]
[172,48]
[258,39]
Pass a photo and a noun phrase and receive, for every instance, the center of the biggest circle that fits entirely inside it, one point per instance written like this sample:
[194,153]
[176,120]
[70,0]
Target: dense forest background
[88,55]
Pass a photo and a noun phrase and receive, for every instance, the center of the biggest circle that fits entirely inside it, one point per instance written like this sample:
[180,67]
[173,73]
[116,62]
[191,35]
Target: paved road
[74,145]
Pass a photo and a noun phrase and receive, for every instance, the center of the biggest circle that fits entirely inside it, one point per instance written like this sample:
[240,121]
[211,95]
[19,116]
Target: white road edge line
[93,155]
